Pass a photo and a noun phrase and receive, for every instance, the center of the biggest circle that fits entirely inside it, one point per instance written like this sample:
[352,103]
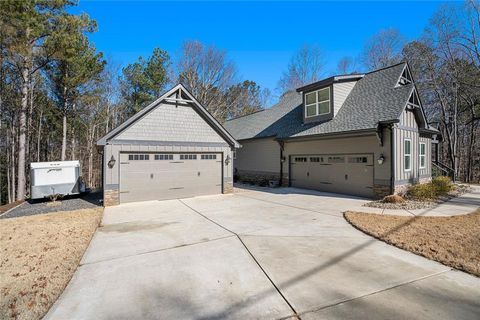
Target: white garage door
[161,176]
[348,174]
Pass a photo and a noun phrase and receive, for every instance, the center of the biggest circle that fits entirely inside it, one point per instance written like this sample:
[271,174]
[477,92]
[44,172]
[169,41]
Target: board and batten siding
[340,92]
[258,156]
[408,129]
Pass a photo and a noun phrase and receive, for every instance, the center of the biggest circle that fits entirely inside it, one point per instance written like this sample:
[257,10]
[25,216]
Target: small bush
[443,185]
[424,191]
[394,198]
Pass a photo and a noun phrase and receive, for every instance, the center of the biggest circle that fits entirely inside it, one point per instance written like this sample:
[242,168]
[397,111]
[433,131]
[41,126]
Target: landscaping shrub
[443,185]
[424,191]
[394,198]
[440,186]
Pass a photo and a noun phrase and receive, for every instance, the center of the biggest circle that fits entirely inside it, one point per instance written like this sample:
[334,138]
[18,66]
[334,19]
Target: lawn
[453,241]
[39,255]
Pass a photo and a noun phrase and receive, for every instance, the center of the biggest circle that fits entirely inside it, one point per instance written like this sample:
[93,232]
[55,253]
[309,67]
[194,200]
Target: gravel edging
[13,208]
[417,204]
[70,203]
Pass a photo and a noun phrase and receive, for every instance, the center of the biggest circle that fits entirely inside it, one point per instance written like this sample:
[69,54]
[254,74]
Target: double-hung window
[407,154]
[422,155]
[317,102]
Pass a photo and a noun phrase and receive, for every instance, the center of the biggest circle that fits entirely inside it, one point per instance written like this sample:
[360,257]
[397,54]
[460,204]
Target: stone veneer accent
[259,178]
[380,190]
[285,181]
[227,187]
[111,198]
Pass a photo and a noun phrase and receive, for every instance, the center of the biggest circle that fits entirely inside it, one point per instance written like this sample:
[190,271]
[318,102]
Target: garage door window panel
[188,157]
[208,157]
[163,157]
[336,159]
[138,157]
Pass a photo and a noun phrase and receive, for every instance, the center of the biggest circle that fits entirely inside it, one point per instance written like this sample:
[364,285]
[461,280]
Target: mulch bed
[453,241]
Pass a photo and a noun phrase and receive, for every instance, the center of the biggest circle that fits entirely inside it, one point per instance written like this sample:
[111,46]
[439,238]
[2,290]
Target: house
[171,149]
[360,134]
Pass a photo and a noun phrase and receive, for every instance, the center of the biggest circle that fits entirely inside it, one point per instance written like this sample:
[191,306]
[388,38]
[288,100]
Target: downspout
[392,160]
[280,181]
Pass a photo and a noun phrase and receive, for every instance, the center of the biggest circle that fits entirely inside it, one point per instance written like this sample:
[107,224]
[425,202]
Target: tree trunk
[22,124]
[12,168]
[73,147]
[39,135]
[64,137]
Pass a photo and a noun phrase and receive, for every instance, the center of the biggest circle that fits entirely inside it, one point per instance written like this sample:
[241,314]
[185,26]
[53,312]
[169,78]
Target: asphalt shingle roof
[373,99]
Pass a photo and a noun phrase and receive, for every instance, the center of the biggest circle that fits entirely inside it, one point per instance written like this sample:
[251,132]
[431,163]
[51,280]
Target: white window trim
[407,155]
[424,156]
[317,103]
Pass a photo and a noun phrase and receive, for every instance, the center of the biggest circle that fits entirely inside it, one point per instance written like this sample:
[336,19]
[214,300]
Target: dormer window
[317,102]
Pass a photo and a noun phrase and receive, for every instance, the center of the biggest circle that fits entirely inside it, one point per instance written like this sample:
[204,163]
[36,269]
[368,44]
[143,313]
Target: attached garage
[171,149]
[340,173]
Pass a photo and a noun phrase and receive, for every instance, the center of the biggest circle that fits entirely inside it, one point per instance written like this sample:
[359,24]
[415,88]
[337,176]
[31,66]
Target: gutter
[332,134]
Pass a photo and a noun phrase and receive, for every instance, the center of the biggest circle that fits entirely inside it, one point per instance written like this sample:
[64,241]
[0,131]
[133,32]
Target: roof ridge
[387,67]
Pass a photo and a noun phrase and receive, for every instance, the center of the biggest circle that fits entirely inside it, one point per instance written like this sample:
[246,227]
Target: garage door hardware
[177,188]
[124,162]
[124,191]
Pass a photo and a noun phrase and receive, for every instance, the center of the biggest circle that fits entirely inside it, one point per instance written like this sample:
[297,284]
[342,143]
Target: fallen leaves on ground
[39,255]
[453,241]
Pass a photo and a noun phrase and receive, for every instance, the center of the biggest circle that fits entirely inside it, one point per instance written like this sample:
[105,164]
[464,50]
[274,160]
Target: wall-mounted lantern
[381,159]
[111,162]
[227,160]
[283,159]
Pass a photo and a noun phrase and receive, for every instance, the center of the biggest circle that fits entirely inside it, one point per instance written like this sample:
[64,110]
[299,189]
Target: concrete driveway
[256,255]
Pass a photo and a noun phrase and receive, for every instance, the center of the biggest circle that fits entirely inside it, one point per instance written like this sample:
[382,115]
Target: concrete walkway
[463,204]
[281,254]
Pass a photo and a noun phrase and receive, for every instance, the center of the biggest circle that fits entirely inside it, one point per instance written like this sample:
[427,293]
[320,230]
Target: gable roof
[374,99]
[264,123]
[179,88]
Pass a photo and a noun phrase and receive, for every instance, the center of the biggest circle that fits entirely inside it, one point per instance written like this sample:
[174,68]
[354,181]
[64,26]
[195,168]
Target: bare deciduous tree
[382,49]
[306,66]
[207,73]
[346,65]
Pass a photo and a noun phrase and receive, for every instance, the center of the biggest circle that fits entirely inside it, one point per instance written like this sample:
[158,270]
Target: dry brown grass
[453,241]
[39,255]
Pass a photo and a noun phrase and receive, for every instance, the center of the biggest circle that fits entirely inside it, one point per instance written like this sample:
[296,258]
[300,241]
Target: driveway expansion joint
[154,251]
[377,292]
[295,313]
[290,206]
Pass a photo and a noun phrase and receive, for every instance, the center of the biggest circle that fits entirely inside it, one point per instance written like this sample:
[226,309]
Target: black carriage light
[381,159]
[111,162]
[227,160]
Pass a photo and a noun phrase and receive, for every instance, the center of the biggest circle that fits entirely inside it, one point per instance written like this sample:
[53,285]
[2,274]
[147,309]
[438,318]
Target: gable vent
[405,78]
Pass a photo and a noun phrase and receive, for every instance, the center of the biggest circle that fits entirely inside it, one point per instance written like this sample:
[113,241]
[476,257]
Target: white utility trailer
[55,178]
